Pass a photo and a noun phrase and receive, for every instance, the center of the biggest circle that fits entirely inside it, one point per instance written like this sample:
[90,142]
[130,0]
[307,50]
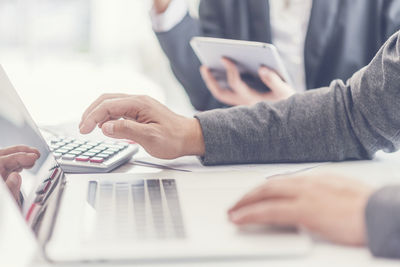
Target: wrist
[193,140]
[161,5]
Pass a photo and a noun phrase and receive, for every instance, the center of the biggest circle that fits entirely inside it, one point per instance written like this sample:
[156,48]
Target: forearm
[383,222]
[344,121]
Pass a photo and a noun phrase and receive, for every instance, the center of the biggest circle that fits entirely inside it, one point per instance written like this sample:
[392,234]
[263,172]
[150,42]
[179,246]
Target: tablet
[248,56]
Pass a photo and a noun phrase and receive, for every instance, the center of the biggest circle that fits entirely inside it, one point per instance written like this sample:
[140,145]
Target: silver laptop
[107,217]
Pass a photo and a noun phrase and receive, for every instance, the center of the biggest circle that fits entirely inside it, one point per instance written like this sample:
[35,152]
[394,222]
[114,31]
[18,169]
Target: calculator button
[104,156]
[75,152]
[62,151]
[68,157]
[89,154]
[94,151]
[68,147]
[60,144]
[108,152]
[81,149]
[96,160]
[57,155]
[82,158]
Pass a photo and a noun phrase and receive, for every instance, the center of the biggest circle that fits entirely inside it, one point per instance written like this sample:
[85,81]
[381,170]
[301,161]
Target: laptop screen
[18,128]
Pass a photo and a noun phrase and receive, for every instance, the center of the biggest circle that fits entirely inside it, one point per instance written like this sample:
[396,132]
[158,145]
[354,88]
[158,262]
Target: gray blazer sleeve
[349,120]
[383,222]
[184,63]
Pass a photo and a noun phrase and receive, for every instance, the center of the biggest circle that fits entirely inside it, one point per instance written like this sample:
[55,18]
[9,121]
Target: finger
[16,149]
[110,109]
[276,212]
[221,94]
[97,102]
[233,75]
[13,183]
[125,129]
[278,188]
[14,162]
[271,78]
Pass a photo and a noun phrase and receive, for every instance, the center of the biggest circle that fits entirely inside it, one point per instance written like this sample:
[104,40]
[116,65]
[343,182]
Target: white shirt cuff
[174,14]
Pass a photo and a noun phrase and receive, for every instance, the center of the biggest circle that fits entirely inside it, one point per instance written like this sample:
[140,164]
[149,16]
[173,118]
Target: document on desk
[193,164]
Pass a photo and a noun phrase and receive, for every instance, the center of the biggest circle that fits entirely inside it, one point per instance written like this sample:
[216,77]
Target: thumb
[125,129]
[14,184]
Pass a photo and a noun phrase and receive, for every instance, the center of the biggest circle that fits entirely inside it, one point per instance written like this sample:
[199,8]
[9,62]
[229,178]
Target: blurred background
[61,54]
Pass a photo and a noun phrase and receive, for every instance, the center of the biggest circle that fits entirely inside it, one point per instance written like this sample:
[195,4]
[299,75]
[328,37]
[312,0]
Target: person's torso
[342,37]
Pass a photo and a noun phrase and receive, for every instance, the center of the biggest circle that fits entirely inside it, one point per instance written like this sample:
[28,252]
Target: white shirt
[289,24]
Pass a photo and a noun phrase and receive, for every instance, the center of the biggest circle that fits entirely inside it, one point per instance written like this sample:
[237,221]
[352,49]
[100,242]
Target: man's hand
[240,93]
[12,161]
[324,204]
[161,5]
[161,132]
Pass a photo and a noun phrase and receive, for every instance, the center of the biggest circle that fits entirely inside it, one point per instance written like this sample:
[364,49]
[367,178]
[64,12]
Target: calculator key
[57,155]
[96,160]
[115,149]
[55,140]
[104,156]
[94,151]
[75,152]
[69,140]
[89,154]
[62,151]
[79,142]
[60,144]
[81,149]
[82,158]
[68,147]
[108,152]
[92,143]
[68,157]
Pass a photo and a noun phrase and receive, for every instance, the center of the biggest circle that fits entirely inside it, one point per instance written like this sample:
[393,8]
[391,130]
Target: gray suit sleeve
[383,222]
[183,61]
[349,120]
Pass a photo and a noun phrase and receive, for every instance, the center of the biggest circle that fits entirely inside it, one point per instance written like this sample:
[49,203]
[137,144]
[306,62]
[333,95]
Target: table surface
[380,171]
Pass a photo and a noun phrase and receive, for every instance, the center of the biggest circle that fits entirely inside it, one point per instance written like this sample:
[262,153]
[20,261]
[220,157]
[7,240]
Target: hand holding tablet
[248,56]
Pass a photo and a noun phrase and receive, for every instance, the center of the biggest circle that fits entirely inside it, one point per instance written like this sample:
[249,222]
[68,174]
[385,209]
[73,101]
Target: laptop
[137,217]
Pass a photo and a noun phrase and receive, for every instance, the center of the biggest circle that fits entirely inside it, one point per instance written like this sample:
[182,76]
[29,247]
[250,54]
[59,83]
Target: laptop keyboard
[70,149]
[141,209]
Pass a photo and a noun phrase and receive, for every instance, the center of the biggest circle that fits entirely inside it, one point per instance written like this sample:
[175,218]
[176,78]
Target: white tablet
[249,56]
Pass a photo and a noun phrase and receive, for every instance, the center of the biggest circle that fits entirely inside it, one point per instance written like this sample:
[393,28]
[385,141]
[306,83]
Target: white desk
[380,171]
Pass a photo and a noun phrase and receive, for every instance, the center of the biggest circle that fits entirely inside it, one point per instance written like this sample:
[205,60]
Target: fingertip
[235,217]
[264,71]
[14,180]
[84,129]
[108,128]
[33,155]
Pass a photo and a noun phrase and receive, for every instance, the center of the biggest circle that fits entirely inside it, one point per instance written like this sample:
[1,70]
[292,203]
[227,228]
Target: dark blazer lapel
[259,20]
[321,26]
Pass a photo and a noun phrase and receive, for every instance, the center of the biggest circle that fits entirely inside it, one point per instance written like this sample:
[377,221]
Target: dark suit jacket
[343,36]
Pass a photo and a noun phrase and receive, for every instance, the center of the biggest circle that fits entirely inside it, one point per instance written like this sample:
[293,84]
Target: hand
[161,5]
[330,206]
[241,93]
[12,161]
[161,132]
